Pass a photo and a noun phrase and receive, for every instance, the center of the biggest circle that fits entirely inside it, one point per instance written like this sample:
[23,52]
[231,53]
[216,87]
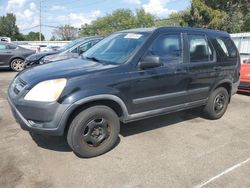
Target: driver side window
[168,48]
[85,46]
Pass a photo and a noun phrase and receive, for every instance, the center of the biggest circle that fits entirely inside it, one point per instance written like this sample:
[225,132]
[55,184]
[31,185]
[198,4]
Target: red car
[245,77]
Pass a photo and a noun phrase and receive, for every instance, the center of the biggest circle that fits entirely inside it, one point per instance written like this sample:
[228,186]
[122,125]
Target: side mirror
[150,62]
[80,51]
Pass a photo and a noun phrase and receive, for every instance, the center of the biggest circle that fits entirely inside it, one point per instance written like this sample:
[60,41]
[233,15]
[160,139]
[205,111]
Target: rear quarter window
[226,48]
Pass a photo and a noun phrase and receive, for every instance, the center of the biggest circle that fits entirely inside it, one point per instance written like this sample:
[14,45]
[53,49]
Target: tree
[235,11]
[201,15]
[118,20]
[144,19]
[174,19]
[247,22]
[53,38]
[65,32]
[33,36]
[8,26]
[228,15]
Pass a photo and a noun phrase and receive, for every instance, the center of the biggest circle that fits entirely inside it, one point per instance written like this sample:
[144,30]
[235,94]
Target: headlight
[42,61]
[46,91]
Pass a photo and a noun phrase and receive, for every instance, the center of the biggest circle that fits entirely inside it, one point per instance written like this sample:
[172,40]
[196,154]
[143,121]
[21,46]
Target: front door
[164,86]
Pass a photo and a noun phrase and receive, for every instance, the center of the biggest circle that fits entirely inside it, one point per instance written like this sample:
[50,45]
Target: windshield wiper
[93,59]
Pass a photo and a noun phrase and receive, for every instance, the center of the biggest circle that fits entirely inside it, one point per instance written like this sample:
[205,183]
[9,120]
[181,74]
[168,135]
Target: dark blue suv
[130,75]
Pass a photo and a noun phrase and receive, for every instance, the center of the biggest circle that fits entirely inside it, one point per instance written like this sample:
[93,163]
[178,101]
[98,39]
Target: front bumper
[54,127]
[39,117]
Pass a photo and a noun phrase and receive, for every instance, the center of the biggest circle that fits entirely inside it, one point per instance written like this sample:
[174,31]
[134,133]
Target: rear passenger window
[199,49]
[226,47]
[168,48]
[12,47]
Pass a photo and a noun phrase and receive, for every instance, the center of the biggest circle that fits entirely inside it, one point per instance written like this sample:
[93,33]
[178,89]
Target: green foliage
[201,15]
[223,15]
[174,19]
[247,22]
[33,36]
[143,19]
[53,38]
[118,20]
[8,26]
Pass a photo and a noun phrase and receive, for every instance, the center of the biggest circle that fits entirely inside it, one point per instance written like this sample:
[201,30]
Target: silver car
[13,56]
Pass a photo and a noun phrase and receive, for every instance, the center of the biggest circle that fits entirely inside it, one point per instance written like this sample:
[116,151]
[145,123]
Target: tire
[217,104]
[93,131]
[17,64]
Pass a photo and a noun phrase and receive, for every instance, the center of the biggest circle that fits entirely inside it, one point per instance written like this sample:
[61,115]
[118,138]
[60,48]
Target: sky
[78,12]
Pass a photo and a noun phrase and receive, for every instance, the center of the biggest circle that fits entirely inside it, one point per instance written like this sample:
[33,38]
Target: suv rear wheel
[94,131]
[217,104]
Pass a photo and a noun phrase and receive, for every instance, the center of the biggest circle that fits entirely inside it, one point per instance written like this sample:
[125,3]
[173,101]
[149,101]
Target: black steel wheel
[217,103]
[93,131]
[96,132]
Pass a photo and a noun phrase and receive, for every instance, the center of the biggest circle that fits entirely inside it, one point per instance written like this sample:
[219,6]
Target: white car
[5,39]
[28,46]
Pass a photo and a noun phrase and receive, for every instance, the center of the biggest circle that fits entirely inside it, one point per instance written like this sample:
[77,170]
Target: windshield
[116,49]
[69,45]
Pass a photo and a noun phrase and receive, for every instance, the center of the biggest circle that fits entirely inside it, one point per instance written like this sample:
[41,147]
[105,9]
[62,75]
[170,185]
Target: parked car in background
[35,59]
[245,76]
[26,45]
[49,48]
[5,39]
[242,42]
[129,75]
[73,52]
[13,56]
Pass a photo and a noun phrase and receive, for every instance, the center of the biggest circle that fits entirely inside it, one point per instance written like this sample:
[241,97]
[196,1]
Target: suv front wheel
[217,104]
[94,131]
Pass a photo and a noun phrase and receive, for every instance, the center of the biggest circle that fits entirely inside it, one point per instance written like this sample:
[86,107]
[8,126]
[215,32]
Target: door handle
[218,68]
[7,52]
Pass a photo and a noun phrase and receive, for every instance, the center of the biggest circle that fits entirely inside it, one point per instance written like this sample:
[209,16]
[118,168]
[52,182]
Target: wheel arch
[111,101]
[227,84]
[15,57]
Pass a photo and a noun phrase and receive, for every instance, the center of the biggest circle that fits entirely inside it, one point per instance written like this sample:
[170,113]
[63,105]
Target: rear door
[203,67]
[228,59]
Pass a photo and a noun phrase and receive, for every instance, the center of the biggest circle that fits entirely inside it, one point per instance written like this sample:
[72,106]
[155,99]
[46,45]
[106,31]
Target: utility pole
[40,21]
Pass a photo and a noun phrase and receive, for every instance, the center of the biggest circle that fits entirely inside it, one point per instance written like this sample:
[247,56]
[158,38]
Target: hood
[59,57]
[38,56]
[61,69]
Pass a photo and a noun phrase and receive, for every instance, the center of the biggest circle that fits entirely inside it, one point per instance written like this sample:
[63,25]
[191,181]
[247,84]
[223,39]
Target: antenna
[40,21]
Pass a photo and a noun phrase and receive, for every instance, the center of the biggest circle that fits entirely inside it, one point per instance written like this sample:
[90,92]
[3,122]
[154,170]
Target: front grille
[19,85]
